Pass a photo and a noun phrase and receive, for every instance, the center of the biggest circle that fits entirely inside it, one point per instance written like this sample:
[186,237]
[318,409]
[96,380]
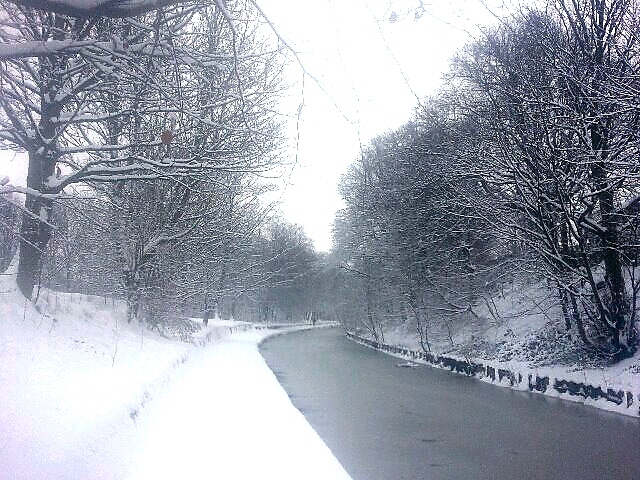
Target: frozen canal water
[390,423]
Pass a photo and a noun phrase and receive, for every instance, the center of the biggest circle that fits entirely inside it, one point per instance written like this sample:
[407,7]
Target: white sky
[342,44]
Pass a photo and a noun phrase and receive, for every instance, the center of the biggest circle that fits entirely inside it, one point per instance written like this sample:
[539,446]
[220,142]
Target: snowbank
[518,339]
[83,394]
[622,397]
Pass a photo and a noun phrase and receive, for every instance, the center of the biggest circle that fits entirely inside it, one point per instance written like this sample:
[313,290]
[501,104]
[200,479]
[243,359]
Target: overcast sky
[374,69]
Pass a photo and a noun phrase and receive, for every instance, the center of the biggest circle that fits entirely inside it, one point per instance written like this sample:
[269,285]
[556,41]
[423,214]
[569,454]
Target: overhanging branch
[99,8]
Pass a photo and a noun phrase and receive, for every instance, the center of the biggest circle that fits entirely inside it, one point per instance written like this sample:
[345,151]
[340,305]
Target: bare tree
[172,94]
[557,153]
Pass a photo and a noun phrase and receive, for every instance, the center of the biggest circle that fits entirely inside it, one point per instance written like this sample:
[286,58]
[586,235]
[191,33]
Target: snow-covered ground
[83,394]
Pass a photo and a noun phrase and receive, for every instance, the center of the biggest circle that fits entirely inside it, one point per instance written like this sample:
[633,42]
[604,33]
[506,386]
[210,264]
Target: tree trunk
[35,231]
[371,321]
[617,310]
[577,317]
[564,304]
[133,296]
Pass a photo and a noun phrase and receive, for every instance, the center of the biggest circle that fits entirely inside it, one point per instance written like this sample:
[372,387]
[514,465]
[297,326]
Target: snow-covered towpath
[228,417]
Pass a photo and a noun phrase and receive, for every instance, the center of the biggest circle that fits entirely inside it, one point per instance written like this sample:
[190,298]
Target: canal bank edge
[619,400]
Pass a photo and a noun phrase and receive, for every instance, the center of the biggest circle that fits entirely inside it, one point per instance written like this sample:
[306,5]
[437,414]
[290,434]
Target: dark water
[386,422]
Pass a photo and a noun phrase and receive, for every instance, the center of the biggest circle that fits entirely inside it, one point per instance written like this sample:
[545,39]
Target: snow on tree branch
[100,8]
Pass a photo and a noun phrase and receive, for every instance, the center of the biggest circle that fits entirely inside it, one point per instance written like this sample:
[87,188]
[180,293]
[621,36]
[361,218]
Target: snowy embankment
[85,395]
[590,387]
[518,339]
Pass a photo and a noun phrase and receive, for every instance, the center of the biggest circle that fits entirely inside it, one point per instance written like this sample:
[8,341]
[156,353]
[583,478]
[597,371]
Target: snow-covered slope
[83,394]
[522,331]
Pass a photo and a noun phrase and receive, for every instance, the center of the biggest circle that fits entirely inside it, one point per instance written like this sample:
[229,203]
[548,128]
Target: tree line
[524,165]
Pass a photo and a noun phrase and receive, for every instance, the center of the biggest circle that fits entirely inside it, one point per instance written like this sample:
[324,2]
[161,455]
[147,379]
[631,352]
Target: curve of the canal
[383,421]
